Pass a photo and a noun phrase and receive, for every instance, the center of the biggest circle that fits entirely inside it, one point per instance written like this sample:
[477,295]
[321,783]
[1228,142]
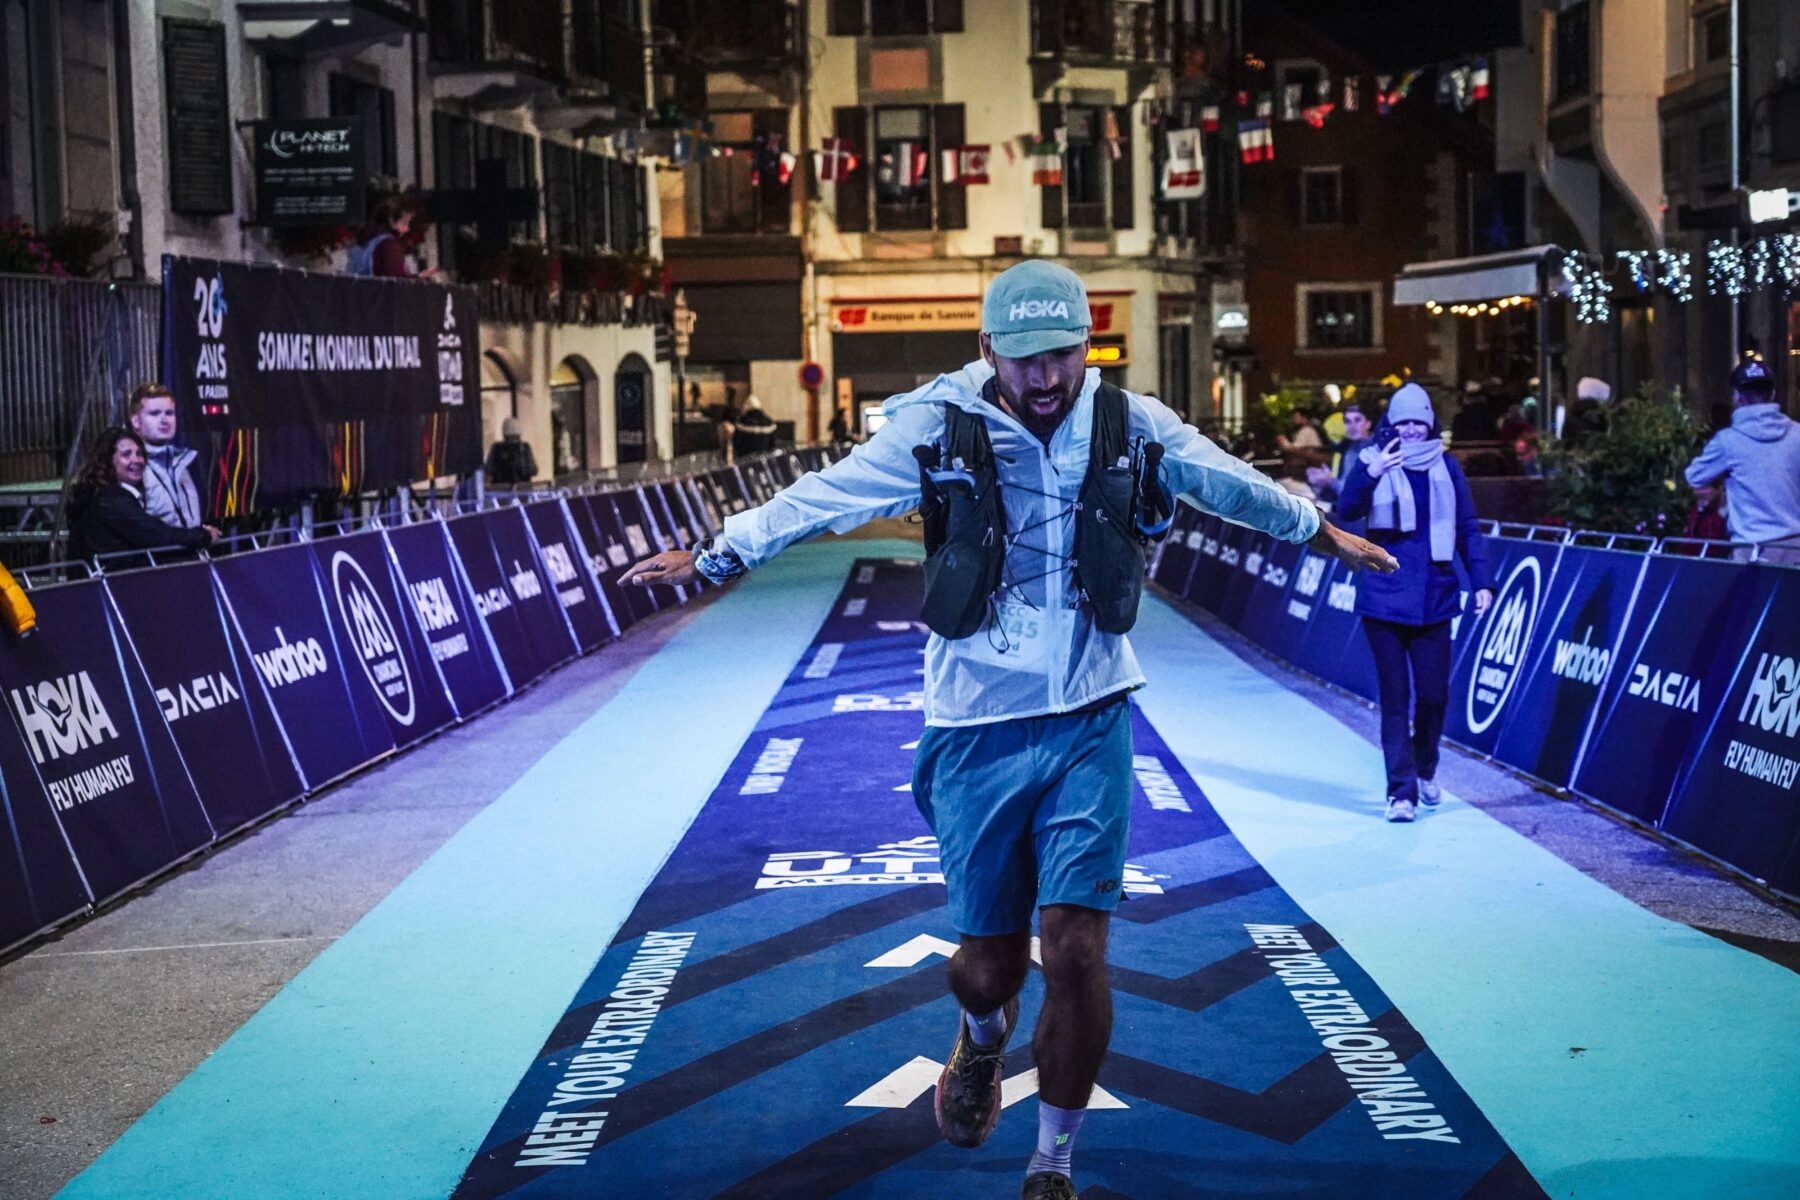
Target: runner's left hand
[1354,552]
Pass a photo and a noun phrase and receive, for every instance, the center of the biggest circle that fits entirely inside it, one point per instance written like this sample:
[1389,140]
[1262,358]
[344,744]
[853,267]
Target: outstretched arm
[879,478]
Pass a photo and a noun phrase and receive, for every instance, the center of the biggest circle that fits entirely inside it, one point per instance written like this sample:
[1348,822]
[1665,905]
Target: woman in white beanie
[1420,510]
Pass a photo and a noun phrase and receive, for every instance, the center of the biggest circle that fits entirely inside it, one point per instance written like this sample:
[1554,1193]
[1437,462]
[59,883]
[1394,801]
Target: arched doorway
[571,399]
[631,408]
[499,394]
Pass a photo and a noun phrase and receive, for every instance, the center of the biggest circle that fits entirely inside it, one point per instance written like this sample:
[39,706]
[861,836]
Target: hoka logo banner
[62,717]
[1501,659]
[1312,574]
[1665,687]
[1037,308]
[1773,702]
[373,638]
[436,609]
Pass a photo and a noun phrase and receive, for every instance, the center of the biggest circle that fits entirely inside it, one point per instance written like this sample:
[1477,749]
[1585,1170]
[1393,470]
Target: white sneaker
[1430,793]
[1401,809]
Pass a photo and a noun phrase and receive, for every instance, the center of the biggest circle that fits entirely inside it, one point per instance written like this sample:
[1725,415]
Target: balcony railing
[504,34]
[510,304]
[1104,30]
[606,48]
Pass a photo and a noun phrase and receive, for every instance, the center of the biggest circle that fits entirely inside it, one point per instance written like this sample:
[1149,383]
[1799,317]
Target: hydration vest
[1122,507]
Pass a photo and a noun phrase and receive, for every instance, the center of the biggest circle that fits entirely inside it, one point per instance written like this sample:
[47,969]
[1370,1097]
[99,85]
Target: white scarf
[1393,506]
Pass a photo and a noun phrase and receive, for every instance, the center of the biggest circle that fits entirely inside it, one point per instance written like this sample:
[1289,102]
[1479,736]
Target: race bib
[1020,638]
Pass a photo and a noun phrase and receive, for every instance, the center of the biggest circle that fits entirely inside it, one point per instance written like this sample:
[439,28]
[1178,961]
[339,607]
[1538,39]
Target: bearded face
[1041,390]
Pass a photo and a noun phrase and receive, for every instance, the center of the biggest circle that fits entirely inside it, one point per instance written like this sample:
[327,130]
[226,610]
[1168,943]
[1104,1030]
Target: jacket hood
[177,457]
[1763,422]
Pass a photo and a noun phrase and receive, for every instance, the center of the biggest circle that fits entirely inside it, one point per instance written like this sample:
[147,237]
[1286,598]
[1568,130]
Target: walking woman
[1420,510]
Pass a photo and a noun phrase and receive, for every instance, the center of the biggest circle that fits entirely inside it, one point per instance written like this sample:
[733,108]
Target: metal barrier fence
[70,350]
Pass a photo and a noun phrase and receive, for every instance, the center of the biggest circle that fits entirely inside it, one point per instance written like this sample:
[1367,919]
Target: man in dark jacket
[510,461]
[1420,511]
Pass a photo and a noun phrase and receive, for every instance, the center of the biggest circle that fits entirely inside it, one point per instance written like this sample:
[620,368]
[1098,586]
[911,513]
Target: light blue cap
[1034,307]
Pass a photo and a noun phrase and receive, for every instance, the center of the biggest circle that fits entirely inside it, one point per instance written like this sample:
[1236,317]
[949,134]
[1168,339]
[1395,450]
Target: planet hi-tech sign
[310,172]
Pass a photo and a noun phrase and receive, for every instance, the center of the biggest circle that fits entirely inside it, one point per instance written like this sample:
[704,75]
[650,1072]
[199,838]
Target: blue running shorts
[1028,812]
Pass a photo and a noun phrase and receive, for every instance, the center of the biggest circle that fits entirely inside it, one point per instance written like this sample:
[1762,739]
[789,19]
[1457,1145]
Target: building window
[373,107]
[1784,116]
[1335,317]
[1084,167]
[1321,196]
[1573,52]
[1715,145]
[737,193]
[1176,365]
[902,168]
[1713,35]
[893,18]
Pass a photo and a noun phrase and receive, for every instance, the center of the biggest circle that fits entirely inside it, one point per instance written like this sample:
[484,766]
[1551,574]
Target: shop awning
[1485,277]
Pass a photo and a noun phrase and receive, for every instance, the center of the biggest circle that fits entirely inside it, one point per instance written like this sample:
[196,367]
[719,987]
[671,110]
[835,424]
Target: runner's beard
[1042,413]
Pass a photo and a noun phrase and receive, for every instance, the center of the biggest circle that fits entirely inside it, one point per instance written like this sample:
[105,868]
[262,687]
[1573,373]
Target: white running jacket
[1043,654]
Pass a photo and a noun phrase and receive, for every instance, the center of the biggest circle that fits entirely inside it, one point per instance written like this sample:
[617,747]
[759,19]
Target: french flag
[1480,81]
[1256,140]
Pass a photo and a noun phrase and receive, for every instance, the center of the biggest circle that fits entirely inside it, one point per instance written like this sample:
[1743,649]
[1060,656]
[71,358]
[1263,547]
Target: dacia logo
[1773,701]
[1037,308]
[1501,658]
[373,637]
[62,716]
[197,695]
[1665,687]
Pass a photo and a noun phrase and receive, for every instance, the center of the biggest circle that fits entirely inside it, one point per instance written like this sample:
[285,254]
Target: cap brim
[1035,341]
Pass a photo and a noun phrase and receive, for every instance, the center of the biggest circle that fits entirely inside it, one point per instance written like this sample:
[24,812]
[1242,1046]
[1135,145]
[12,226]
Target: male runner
[1024,770]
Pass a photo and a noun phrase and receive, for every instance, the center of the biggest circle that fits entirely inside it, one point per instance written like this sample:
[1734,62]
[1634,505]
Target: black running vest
[965,521]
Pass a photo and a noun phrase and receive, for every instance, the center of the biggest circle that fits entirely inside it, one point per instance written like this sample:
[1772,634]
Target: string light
[1588,289]
[1762,263]
[1675,274]
[1787,260]
[1725,274]
[1638,262]
[1481,308]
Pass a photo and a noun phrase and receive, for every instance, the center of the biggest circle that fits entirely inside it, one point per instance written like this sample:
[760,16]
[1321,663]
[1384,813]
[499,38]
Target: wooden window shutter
[952,198]
[852,124]
[1347,195]
[946,16]
[1049,117]
[844,18]
[776,199]
[1123,168]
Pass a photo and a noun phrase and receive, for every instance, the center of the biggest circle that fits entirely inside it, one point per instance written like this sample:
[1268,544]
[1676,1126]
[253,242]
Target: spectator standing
[380,249]
[1358,436]
[1589,418]
[755,428]
[1302,434]
[1419,509]
[1757,458]
[170,493]
[840,427]
[106,503]
[510,461]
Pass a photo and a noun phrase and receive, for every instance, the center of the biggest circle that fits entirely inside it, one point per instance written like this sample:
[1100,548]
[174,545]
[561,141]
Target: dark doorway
[631,408]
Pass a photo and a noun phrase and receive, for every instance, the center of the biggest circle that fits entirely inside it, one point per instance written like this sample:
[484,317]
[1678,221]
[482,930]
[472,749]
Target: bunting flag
[907,166]
[1012,155]
[1322,91]
[965,165]
[1110,128]
[784,169]
[1404,88]
[1184,169]
[1265,107]
[1047,165]
[837,160]
[1453,88]
[1316,114]
[1480,82]
[1209,118]
[1256,140]
[1384,94]
[765,159]
[1352,94]
[1291,99]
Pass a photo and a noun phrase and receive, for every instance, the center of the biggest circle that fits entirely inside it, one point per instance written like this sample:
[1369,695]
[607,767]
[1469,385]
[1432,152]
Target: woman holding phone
[1419,509]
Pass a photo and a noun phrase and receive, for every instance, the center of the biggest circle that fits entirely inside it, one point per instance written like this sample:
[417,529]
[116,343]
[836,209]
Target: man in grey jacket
[1758,458]
[170,493]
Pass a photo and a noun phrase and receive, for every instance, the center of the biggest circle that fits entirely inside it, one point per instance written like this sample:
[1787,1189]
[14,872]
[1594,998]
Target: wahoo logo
[62,716]
[1500,659]
[1253,562]
[1026,309]
[432,598]
[1342,596]
[197,695]
[1312,574]
[290,662]
[1665,687]
[1773,701]
[373,638]
[1581,661]
[524,582]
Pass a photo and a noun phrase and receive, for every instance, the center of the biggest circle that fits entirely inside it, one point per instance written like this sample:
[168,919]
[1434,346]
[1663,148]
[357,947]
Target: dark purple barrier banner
[702,504]
[1687,634]
[1300,606]
[1220,556]
[607,559]
[1175,557]
[1246,578]
[444,609]
[625,550]
[90,722]
[566,561]
[332,721]
[378,637]
[1554,703]
[758,485]
[1494,651]
[39,883]
[727,487]
[672,516]
[1740,796]
[209,692]
[534,599]
[494,601]
[643,538]
[1269,590]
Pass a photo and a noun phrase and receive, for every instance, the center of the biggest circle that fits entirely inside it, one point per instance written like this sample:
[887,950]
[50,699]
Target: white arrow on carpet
[916,951]
[908,1082]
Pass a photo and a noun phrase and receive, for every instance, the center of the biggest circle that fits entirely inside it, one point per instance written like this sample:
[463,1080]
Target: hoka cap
[1034,307]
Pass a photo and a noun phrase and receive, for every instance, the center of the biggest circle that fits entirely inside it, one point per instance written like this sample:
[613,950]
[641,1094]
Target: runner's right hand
[671,568]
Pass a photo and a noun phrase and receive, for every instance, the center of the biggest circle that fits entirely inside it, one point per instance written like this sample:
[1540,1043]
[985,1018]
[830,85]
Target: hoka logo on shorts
[1581,661]
[1773,701]
[62,716]
[1665,687]
[1024,309]
[290,662]
[373,638]
[1500,659]
[1312,574]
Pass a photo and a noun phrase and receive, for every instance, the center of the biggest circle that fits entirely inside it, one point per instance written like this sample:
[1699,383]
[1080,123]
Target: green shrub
[1629,479]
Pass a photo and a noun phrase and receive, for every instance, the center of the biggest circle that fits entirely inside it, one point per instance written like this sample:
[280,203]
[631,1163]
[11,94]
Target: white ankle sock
[1057,1128]
[988,1028]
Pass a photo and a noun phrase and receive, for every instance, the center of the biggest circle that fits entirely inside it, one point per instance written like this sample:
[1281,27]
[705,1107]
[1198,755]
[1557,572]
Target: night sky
[1407,33]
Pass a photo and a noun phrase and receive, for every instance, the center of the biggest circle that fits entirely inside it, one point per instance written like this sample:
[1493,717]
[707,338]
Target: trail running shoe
[1047,1185]
[1400,808]
[968,1092]
[1430,793]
